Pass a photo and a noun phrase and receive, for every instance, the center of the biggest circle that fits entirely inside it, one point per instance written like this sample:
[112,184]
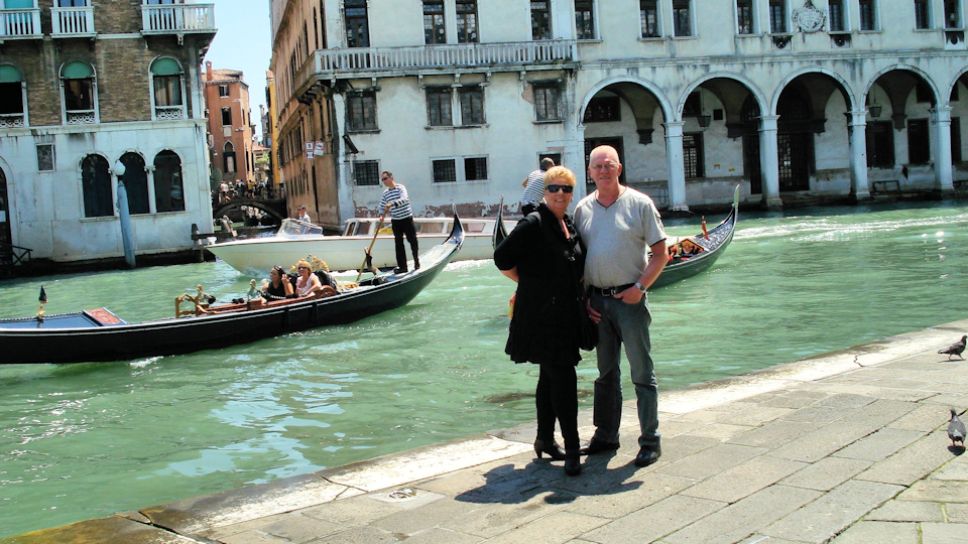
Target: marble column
[676,168]
[769,162]
[859,185]
[941,122]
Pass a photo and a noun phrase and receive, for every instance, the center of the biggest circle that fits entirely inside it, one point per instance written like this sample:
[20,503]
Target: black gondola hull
[42,344]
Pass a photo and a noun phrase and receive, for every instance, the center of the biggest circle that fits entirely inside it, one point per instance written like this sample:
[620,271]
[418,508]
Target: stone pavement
[846,448]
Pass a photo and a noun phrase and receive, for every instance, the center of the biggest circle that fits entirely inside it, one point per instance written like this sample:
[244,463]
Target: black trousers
[556,397]
[406,227]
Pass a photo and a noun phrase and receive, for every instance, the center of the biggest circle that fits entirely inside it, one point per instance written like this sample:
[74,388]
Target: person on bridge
[396,201]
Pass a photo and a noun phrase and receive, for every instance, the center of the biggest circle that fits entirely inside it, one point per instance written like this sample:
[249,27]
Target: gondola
[679,269]
[99,335]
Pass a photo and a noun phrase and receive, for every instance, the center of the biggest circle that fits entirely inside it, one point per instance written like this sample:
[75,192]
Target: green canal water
[83,441]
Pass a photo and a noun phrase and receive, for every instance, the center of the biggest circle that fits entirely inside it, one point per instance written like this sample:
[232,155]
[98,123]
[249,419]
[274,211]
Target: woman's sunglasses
[555,188]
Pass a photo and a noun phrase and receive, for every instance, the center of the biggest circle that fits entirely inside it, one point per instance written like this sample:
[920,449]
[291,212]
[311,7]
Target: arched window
[11,97]
[228,158]
[166,88]
[96,184]
[169,189]
[135,182]
[78,87]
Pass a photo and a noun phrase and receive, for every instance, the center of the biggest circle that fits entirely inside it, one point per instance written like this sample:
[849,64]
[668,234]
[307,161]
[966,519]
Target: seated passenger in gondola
[308,283]
[279,286]
[683,250]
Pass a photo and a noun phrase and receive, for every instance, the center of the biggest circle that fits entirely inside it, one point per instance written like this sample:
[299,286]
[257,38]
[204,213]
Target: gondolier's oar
[367,258]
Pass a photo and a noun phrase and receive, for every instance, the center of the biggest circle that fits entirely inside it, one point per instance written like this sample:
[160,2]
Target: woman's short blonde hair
[304,264]
[559,175]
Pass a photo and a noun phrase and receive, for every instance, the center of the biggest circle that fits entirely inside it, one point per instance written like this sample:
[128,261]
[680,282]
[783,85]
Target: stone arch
[664,104]
[753,89]
[850,96]
[925,77]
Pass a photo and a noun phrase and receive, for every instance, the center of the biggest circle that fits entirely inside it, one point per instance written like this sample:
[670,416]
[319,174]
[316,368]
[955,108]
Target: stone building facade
[230,124]
[83,87]
[460,98]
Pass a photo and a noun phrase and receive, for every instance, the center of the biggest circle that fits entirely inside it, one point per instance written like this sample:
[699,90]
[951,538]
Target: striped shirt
[534,192]
[398,200]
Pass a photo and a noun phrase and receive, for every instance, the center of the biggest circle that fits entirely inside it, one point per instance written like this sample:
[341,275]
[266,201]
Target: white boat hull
[256,256]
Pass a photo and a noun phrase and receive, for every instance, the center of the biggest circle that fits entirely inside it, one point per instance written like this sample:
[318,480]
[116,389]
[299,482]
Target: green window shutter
[18,4]
[9,74]
[165,67]
[77,70]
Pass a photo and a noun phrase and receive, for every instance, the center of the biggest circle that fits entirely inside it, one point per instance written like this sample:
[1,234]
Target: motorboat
[299,240]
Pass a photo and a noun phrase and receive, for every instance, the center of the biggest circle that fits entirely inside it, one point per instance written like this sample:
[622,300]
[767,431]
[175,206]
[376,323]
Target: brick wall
[121,63]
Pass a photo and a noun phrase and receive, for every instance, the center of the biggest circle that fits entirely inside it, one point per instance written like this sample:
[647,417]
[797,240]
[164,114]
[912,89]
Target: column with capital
[769,161]
[676,167]
[941,121]
[859,185]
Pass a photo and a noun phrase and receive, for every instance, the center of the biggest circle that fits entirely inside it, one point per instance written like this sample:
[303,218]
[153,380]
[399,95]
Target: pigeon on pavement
[955,349]
[956,429]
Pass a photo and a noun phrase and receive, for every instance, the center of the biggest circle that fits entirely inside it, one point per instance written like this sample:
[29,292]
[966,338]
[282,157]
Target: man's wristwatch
[639,286]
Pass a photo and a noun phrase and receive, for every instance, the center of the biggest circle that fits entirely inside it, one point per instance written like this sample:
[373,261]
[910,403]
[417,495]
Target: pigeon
[955,349]
[956,429]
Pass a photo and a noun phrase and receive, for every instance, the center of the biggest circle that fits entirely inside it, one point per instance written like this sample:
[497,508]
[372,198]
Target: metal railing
[383,59]
[72,21]
[177,18]
[19,23]
[11,120]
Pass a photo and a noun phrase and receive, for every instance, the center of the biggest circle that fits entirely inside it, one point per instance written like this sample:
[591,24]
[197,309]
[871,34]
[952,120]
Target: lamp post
[125,215]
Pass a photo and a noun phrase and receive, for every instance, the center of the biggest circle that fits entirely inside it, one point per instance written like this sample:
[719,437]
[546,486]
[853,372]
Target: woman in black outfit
[279,286]
[544,255]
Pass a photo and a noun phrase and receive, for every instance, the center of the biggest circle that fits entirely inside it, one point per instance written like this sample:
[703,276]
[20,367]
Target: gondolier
[534,187]
[396,201]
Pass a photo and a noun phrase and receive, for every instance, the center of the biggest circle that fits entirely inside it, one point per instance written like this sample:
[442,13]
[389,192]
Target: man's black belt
[610,291]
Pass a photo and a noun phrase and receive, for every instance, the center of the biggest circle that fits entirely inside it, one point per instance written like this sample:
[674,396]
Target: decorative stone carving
[808,17]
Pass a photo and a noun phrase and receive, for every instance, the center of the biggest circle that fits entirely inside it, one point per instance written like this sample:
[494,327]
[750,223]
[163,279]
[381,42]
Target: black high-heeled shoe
[551,448]
[572,462]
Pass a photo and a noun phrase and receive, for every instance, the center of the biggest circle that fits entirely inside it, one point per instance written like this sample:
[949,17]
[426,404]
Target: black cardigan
[544,326]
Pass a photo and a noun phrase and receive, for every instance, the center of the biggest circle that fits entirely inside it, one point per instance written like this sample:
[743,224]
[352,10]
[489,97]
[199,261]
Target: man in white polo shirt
[619,225]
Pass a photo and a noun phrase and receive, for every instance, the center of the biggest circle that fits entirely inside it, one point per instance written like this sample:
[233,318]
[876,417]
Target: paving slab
[655,521]
[937,491]
[896,510]
[740,520]
[879,445]
[744,479]
[944,533]
[869,532]
[833,512]
[912,463]
[827,474]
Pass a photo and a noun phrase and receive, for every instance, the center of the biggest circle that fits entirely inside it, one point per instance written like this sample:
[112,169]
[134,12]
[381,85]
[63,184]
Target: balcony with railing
[376,61]
[72,22]
[167,113]
[178,19]
[11,120]
[20,24]
[81,117]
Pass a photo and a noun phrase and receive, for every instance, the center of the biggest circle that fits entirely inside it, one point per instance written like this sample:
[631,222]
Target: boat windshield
[295,227]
